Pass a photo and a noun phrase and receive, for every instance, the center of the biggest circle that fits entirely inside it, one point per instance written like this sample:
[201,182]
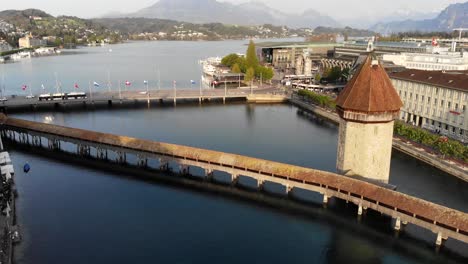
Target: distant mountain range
[454,16]
[251,13]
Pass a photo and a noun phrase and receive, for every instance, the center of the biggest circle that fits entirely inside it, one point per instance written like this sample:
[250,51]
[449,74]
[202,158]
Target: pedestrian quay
[171,96]
[445,223]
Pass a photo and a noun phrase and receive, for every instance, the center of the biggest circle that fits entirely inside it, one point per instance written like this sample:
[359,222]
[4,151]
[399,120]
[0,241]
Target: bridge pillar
[121,157]
[184,169]
[235,179]
[360,210]
[101,153]
[83,150]
[209,174]
[54,144]
[288,189]
[36,141]
[325,198]
[260,185]
[142,161]
[398,224]
[163,165]
[439,239]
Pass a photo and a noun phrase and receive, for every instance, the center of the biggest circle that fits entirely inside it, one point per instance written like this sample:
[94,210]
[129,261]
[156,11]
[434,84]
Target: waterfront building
[367,107]
[358,48]
[435,100]
[29,42]
[294,57]
[437,59]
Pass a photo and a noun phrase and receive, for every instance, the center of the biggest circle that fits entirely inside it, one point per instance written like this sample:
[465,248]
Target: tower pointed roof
[370,91]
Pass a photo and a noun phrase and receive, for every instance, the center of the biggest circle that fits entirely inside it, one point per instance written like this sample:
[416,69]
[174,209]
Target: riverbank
[458,170]
[8,228]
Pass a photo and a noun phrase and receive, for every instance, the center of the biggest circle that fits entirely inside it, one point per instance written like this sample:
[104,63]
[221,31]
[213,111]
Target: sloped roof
[457,80]
[370,91]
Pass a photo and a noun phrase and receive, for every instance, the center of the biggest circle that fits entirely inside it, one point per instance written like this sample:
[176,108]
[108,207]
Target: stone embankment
[458,170]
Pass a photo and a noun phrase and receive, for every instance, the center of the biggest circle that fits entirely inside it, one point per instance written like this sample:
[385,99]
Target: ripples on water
[71,213]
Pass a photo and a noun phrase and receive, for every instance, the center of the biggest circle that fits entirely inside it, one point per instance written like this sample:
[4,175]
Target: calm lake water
[73,214]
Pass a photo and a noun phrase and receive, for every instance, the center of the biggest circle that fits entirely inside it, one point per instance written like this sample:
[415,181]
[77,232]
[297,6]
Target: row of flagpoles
[25,87]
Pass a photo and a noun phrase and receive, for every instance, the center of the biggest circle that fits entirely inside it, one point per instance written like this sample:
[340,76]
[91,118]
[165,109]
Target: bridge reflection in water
[443,221]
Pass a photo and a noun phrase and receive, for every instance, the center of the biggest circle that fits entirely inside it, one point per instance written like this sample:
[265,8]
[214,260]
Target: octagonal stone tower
[367,107]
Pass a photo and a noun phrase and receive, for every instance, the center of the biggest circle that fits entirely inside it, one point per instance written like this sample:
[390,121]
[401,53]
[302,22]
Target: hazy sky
[335,8]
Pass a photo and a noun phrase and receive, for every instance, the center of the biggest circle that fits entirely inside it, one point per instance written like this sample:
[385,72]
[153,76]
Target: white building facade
[435,100]
[449,61]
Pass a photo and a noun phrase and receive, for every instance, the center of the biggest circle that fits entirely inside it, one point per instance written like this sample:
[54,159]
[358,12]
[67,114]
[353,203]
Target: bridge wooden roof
[370,91]
[422,208]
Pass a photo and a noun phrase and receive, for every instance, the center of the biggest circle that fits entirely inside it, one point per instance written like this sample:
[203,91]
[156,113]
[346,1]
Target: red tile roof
[457,80]
[370,91]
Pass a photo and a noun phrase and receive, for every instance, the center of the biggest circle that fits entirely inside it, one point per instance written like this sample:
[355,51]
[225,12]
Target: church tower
[367,107]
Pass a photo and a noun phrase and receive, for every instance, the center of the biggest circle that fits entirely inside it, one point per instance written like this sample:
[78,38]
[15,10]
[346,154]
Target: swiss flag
[76,86]
[128,83]
[24,87]
[434,42]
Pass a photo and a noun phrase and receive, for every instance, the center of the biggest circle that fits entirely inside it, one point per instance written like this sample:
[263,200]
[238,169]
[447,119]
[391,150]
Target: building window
[428,100]
[442,103]
[435,102]
[464,107]
[456,106]
[449,104]
[437,91]
[417,97]
[422,98]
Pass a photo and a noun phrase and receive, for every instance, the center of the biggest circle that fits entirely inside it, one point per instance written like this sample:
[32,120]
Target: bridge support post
[289,190]
[359,210]
[101,153]
[209,174]
[439,239]
[163,165]
[142,161]
[36,141]
[54,144]
[398,224]
[121,157]
[184,169]
[325,199]
[84,150]
[260,185]
[234,179]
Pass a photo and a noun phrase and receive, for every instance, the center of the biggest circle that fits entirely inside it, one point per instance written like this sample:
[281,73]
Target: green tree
[230,60]
[235,68]
[251,56]
[317,77]
[334,73]
[58,42]
[249,75]
[265,73]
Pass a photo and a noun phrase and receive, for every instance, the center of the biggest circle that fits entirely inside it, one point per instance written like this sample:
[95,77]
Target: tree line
[249,65]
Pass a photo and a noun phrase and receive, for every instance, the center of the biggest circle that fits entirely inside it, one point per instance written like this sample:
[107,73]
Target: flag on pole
[192,82]
[24,87]
[43,87]
[76,86]
[145,82]
[127,83]
[174,82]
[96,84]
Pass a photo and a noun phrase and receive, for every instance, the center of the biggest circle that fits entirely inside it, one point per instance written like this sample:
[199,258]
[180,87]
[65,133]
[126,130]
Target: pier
[444,222]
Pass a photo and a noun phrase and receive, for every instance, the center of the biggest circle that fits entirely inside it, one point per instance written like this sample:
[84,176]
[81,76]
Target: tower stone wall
[365,149]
